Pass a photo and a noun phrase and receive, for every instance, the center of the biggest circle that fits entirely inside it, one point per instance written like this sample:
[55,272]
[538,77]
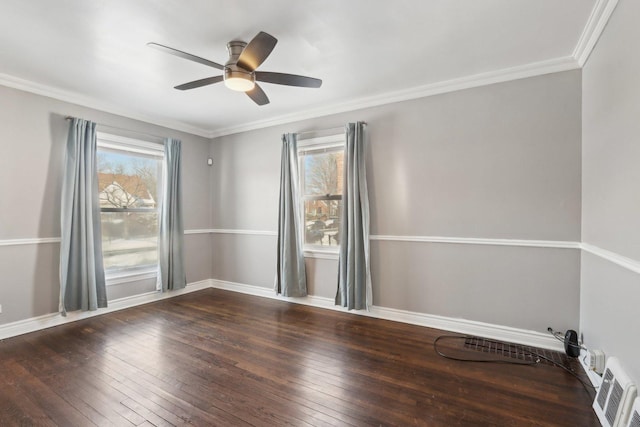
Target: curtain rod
[307,132]
[150,135]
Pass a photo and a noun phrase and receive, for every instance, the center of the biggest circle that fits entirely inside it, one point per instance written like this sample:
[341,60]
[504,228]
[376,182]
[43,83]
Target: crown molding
[596,23]
[85,101]
[483,79]
[598,19]
[468,82]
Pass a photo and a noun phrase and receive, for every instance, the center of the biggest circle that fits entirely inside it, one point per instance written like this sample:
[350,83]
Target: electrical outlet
[595,361]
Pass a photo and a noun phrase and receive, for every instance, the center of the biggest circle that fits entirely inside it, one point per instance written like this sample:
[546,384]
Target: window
[321,168]
[129,186]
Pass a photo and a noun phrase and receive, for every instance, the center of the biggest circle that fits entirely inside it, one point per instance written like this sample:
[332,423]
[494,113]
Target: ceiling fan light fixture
[240,84]
[238,80]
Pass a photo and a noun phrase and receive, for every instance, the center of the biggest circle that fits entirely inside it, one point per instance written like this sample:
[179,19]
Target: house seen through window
[129,186]
[320,167]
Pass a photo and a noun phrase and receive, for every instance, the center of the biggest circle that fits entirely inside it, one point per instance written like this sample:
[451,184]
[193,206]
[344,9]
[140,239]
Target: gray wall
[611,188]
[501,161]
[32,137]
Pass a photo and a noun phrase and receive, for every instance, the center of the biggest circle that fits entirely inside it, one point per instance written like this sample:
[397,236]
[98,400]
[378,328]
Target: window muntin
[321,181]
[129,186]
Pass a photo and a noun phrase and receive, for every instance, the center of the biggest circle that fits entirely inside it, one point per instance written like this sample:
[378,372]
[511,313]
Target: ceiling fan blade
[200,83]
[287,79]
[257,51]
[258,96]
[185,55]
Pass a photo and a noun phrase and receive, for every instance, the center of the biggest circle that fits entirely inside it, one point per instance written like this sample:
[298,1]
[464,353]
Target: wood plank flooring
[218,358]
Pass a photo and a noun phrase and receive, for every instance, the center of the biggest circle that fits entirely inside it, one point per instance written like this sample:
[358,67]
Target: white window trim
[322,254]
[330,141]
[322,142]
[121,143]
[131,275]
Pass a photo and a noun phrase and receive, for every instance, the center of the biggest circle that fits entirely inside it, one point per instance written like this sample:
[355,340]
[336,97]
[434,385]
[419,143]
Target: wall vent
[634,418]
[615,396]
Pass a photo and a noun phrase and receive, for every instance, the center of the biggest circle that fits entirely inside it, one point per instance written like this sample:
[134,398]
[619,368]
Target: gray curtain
[171,239]
[291,276]
[82,282]
[354,274]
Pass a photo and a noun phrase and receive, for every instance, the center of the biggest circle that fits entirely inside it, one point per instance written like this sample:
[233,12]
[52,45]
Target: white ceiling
[366,51]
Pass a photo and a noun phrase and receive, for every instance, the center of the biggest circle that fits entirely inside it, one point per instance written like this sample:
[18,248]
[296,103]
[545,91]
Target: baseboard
[54,319]
[463,326]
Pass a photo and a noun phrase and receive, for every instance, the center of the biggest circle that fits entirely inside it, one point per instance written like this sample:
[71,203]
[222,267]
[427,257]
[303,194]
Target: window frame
[329,143]
[132,146]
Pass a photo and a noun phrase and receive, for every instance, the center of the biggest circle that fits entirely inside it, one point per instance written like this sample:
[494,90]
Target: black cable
[584,384]
[509,362]
[559,337]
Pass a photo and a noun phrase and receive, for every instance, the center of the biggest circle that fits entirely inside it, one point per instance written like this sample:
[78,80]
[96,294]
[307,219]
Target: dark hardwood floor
[217,358]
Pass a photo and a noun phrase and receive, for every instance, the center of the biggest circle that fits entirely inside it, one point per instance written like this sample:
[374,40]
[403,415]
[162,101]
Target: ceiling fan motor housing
[233,71]
[235,48]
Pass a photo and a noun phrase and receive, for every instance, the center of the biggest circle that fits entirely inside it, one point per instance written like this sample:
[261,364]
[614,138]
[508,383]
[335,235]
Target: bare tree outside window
[322,175]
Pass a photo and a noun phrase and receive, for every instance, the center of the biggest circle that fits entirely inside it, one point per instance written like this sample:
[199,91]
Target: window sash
[129,210]
[323,197]
[310,147]
[135,148]
[132,274]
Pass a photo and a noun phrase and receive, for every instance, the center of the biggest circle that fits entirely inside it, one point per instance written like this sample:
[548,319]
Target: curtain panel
[291,276]
[82,280]
[171,239]
[354,272]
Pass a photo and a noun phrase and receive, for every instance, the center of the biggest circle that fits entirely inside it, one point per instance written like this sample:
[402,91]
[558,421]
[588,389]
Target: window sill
[321,254]
[130,276]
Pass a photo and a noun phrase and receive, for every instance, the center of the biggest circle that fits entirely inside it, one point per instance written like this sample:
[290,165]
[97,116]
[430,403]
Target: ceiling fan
[240,70]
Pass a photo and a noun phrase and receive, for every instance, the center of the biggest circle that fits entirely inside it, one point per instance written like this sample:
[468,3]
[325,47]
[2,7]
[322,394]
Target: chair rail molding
[628,263]
[480,241]
[29,241]
[622,261]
